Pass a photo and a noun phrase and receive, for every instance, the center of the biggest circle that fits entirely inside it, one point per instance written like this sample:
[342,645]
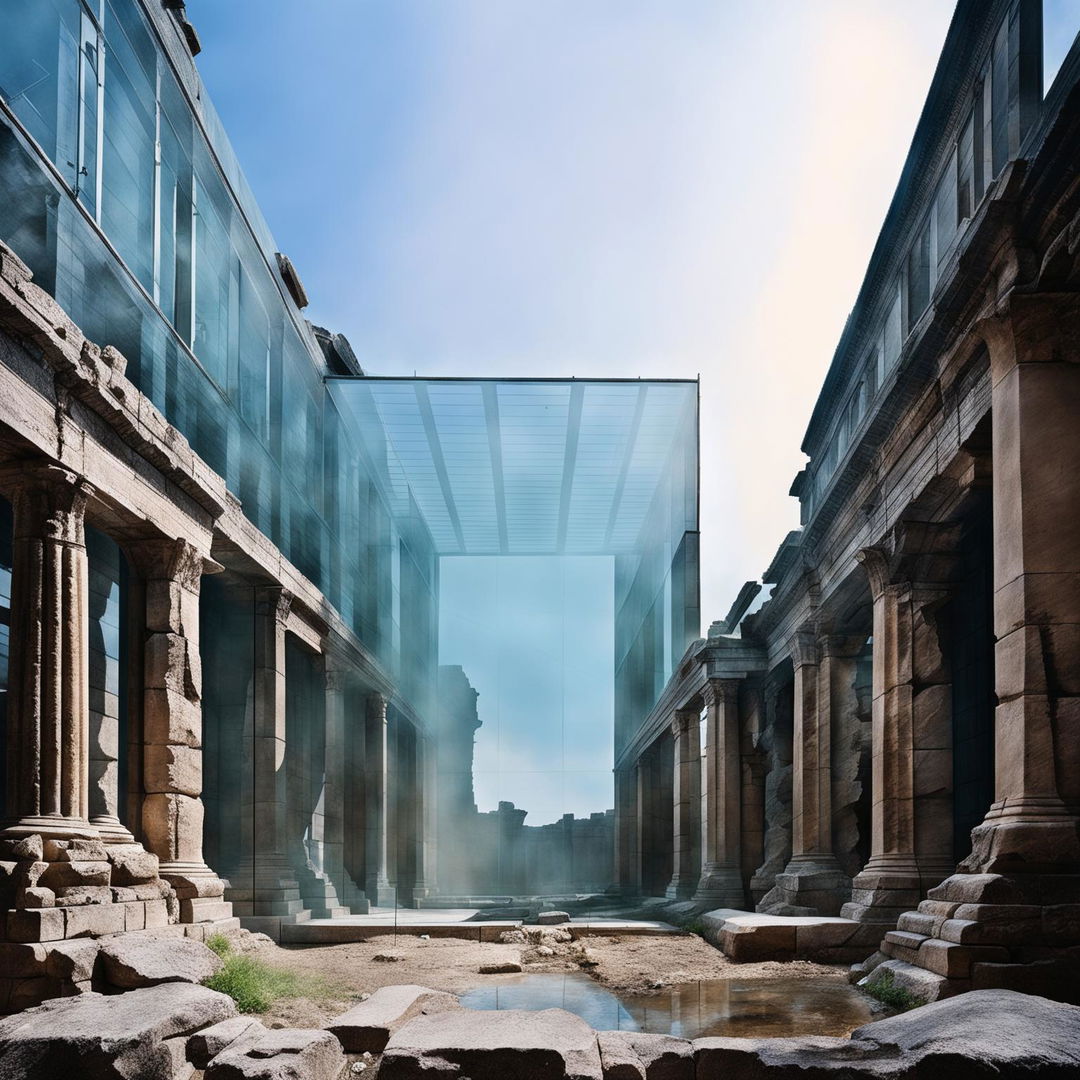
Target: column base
[382,893]
[681,888]
[809,885]
[722,885]
[50,827]
[112,830]
[264,889]
[1034,837]
[886,887]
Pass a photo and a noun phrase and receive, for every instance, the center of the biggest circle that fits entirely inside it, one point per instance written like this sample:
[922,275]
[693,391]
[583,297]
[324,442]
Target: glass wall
[132,212]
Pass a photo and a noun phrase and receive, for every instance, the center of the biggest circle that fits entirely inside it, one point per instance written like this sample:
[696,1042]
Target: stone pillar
[911,769]
[626,876]
[1035,377]
[643,824]
[721,849]
[172,811]
[686,800]
[813,882]
[426,803]
[377,885]
[48,733]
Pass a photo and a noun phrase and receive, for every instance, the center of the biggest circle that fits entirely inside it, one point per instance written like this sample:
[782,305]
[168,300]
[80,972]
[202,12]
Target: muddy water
[733,1007]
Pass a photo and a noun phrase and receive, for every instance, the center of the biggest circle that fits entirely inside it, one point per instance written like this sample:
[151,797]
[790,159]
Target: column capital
[377,705]
[274,602]
[1031,328]
[842,646]
[876,564]
[50,503]
[681,720]
[335,674]
[160,558]
[720,692]
[803,647]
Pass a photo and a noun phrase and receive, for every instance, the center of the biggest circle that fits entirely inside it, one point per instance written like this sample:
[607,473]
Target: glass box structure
[120,191]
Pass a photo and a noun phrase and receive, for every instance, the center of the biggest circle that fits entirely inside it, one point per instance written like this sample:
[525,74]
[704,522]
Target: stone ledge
[754,936]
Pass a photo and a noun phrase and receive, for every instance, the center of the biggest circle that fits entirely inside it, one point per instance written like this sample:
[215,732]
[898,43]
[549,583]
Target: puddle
[732,1007]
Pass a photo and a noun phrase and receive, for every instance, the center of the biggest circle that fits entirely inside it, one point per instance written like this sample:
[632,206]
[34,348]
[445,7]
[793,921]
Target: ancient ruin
[229,697]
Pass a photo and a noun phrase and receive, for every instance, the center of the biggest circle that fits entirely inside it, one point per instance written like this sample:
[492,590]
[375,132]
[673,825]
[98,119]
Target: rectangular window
[945,203]
[893,334]
[918,275]
[965,170]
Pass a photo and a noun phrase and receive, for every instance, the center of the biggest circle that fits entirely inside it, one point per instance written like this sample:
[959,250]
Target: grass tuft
[885,990]
[255,985]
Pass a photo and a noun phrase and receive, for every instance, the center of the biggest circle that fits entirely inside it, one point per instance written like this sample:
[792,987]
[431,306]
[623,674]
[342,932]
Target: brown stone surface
[370,1024]
[134,960]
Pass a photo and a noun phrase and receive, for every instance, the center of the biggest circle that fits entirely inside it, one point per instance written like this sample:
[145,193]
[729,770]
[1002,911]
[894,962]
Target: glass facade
[125,199]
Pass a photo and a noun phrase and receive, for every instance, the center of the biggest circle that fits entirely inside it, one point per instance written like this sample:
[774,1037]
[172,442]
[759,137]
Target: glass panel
[1061,23]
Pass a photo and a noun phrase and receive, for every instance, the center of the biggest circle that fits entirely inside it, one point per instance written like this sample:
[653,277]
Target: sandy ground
[636,964]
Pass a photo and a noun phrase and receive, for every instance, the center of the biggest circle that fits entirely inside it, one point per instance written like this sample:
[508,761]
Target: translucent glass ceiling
[525,467]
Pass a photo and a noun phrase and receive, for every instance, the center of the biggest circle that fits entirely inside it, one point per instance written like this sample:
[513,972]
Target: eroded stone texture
[548,1045]
[132,960]
[288,1054]
[369,1025]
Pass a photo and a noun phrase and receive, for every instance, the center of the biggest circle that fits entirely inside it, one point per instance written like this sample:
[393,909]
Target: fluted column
[721,873]
[686,799]
[48,718]
[172,811]
[377,885]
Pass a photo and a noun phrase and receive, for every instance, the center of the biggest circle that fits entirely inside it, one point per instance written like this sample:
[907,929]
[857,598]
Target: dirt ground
[635,964]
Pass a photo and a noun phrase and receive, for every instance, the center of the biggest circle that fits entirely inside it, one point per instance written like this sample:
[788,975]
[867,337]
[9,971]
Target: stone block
[72,960]
[171,662]
[132,865]
[281,1055]
[920,923]
[27,993]
[954,961]
[987,889]
[631,1055]
[369,1025]
[552,918]
[76,895]
[22,960]
[551,1044]
[917,981]
[204,909]
[171,719]
[25,849]
[756,937]
[157,913]
[134,960]
[118,1035]
[134,915]
[783,1059]
[123,895]
[1061,924]
[173,768]
[95,920]
[64,875]
[37,897]
[905,938]
[76,850]
[205,1045]
[35,924]
[173,825]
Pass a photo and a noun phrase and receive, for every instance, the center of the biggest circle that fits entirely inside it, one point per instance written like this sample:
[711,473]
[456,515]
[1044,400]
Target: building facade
[892,737]
[219,541]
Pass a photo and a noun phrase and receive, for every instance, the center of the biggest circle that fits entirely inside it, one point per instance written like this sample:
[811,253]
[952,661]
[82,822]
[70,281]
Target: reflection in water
[733,1007]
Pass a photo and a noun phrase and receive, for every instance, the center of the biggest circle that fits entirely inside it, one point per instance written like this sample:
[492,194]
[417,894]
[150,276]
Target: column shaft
[172,812]
[48,732]
[686,800]
[721,872]
[377,885]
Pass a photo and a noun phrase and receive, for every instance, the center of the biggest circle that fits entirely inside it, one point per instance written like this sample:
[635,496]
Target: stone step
[917,922]
[954,961]
[925,985]
[906,939]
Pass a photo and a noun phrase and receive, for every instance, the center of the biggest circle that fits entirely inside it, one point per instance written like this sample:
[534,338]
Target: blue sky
[590,188]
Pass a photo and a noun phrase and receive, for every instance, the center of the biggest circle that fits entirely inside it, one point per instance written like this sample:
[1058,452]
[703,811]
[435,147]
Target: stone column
[686,800]
[172,811]
[48,732]
[721,848]
[626,876]
[911,815]
[1035,377]
[813,880]
[643,823]
[377,886]
[426,801]
[334,781]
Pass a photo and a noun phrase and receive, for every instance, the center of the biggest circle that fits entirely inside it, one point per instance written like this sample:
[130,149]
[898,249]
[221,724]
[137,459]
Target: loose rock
[291,1054]
[508,968]
[370,1024]
[132,960]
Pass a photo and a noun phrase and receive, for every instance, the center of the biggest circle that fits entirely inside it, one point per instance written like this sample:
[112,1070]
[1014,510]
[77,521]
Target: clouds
[616,187]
